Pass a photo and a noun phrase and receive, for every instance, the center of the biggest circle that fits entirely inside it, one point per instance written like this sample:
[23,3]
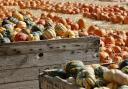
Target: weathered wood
[21,85]
[22,61]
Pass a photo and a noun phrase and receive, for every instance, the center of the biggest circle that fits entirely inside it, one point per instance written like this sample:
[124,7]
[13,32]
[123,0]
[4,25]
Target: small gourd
[123,64]
[28,22]
[125,69]
[70,34]
[2,29]
[9,27]
[18,29]
[17,15]
[101,88]
[27,31]
[36,36]
[49,33]
[21,37]
[13,20]
[99,71]
[60,29]
[21,25]
[85,79]
[73,67]
[5,40]
[6,21]
[49,24]
[1,36]
[37,28]
[100,83]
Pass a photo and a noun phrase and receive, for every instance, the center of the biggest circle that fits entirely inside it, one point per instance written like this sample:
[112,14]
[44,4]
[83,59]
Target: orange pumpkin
[91,30]
[104,57]
[116,49]
[100,32]
[126,20]
[81,23]
[109,40]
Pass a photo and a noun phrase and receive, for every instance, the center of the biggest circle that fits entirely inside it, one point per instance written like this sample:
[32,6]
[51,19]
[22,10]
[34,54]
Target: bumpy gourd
[73,67]
[49,34]
[60,29]
[28,22]
[37,28]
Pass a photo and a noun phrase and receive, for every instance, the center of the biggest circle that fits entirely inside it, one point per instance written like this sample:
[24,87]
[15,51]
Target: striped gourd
[73,67]
[49,33]
[70,34]
[60,29]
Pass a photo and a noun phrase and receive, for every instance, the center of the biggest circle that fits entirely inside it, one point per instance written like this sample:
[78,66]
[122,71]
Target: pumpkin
[109,40]
[123,64]
[125,69]
[91,29]
[13,20]
[123,87]
[70,34]
[81,23]
[73,67]
[49,24]
[117,76]
[17,15]
[5,40]
[99,71]
[112,86]
[21,37]
[60,29]
[84,79]
[21,25]
[49,33]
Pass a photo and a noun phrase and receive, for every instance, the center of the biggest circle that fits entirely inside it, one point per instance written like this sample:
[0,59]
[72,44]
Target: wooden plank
[21,85]
[48,58]
[46,46]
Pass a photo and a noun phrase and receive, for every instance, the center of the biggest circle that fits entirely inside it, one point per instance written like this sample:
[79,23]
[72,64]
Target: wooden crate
[20,62]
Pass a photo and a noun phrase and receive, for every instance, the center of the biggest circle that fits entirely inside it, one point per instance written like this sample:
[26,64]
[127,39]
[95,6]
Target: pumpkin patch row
[114,14]
[94,76]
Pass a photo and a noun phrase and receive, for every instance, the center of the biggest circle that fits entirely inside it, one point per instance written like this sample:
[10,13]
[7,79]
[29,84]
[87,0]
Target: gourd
[21,37]
[2,29]
[1,36]
[73,67]
[27,31]
[36,36]
[13,20]
[123,64]
[6,33]
[60,29]
[5,40]
[21,25]
[125,69]
[100,82]
[85,79]
[49,33]
[117,76]
[17,15]
[9,27]
[28,22]
[99,71]
[70,34]
[37,28]
[123,87]
[6,21]
[112,86]
[49,24]
[18,29]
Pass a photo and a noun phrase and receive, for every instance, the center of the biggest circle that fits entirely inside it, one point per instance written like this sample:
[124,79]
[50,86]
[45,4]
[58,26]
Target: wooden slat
[21,85]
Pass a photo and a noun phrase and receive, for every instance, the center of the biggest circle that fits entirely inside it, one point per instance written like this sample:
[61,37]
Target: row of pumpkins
[21,28]
[94,76]
[114,14]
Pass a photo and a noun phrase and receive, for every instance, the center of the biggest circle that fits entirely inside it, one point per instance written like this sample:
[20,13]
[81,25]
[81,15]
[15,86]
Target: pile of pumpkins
[95,76]
[21,28]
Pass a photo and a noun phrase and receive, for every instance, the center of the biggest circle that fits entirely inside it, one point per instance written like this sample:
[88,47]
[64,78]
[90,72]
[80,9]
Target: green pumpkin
[5,40]
[73,67]
[125,69]
[85,79]
[99,71]
[123,87]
